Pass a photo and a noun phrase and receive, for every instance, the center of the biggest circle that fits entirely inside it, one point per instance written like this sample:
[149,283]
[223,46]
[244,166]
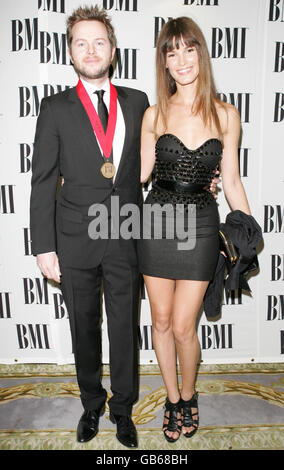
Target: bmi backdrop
[246,44]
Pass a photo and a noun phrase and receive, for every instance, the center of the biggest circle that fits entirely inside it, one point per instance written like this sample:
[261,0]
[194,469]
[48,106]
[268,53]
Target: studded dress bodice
[178,164]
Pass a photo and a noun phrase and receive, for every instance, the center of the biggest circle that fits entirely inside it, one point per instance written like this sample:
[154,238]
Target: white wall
[245,40]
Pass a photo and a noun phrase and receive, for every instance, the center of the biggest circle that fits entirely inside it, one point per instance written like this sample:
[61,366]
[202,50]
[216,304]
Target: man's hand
[49,266]
[214,182]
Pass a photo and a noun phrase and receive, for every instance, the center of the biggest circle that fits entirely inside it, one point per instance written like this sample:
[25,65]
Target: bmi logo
[279,107]
[279,57]
[36,291]
[217,336]
[275,307]
[206,3]
[273,219]
[52,46]
[159,23]
[60,310]
[126,66]
[243,154]
[7,204]
[33,336]
[277,268]
[5,308]
[276,10]
[27,241]
[26,151]
[145,337]
[56,6]
[229,43]
[242,101]
[29,98]
[119,5]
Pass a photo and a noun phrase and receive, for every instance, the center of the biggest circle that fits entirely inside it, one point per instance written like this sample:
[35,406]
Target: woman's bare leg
[187,301]
[161,296]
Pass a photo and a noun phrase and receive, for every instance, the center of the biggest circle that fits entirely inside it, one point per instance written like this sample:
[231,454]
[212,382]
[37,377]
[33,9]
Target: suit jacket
[65,145]
[245,233]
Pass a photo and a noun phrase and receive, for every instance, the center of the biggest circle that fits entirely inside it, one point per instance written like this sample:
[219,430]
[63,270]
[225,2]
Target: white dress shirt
[119,135]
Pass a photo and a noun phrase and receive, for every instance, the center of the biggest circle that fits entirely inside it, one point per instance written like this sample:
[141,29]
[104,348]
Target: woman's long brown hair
[175,31]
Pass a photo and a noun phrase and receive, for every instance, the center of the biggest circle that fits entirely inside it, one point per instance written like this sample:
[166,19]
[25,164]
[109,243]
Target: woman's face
[183,64]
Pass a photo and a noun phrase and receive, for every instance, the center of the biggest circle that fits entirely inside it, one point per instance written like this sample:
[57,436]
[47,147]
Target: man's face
[91,51]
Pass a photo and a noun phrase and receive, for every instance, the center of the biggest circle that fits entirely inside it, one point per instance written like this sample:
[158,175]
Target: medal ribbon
[105,140]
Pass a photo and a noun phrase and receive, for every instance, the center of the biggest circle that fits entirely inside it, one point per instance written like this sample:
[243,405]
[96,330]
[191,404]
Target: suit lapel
[128,120]
[82,121]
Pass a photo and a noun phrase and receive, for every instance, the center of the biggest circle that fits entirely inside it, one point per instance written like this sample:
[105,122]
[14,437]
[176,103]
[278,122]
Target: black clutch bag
[238,239]
[227,246]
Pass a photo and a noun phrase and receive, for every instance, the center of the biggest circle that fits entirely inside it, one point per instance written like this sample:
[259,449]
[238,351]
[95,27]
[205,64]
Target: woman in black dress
[185,137]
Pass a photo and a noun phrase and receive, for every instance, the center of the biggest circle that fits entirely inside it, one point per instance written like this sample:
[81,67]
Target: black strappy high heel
[173,419]
[187,415]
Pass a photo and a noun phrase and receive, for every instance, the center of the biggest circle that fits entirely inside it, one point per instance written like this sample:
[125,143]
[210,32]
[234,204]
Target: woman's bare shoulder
[149,118]
[225,109]
[150,112]
[228,115]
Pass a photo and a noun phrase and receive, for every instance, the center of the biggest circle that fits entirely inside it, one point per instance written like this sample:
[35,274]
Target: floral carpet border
[67,370]
[249,437]
[152,402]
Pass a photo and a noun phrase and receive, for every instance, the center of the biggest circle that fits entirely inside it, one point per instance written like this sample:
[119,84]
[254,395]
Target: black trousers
[81,290]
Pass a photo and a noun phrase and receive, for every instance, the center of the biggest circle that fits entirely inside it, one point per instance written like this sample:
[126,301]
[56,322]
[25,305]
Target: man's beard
[92,76]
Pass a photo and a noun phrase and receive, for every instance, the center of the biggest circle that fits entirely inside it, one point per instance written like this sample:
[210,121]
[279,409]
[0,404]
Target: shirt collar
[91,88]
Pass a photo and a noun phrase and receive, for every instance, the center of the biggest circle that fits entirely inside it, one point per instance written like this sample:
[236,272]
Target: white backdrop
[245,41]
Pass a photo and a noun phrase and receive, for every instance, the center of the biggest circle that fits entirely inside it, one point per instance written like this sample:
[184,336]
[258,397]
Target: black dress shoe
[126,431]
[88,425]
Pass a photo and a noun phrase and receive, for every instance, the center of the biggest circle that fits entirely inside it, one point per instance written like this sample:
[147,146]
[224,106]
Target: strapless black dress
[180,193]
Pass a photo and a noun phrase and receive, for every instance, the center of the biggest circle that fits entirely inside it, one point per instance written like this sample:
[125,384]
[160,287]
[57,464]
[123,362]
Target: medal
[105,140]
[108,170]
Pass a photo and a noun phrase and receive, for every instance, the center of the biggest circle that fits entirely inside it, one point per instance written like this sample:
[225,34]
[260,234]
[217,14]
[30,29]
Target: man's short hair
[89,14]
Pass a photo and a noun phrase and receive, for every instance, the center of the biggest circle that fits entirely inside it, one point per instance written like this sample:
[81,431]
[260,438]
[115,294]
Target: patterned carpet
[241,407]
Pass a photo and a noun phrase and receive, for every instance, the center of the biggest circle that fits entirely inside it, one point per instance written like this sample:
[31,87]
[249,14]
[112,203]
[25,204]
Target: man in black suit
[95,166]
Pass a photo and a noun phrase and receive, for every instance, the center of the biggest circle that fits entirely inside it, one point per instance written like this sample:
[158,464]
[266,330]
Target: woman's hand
[214,182]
